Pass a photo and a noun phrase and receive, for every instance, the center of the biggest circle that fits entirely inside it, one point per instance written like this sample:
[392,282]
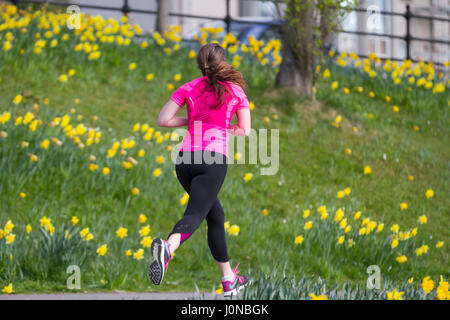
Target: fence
[408,37]
[228,19]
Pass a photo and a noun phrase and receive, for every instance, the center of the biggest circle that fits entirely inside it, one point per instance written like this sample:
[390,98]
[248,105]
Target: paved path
[114,296]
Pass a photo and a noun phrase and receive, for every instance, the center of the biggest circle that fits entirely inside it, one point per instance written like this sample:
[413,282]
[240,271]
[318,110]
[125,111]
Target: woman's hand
[243,126]
[236,130]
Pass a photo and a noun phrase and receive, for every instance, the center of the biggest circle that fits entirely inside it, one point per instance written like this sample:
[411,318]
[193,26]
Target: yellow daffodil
[157,172]
[74,220]
[422,219]
[334,85]
[184,199]
[394,243]
[442,291]
[394,295]
[142,218]
[146,242]
[139,254]
[306,213]
[318,297]
[234,230]
[144,231]
[10,238]
[18,99]
[308,225]
[160,159]
[101,251]
[427,284]
[299,239]
[121,232]
[338,215]
[322,209]
[8,289]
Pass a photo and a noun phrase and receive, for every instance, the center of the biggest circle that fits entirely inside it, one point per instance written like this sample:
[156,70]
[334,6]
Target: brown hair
[211,62]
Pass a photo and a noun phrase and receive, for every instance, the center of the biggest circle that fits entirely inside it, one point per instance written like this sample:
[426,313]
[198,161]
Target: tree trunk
[162,20]
[297,66]
[289,74]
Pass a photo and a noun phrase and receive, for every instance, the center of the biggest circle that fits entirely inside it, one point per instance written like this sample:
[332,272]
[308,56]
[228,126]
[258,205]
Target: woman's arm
[167,116]
[243,126]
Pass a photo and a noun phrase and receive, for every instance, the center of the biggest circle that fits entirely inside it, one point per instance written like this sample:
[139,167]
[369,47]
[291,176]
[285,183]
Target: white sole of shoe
[230,293]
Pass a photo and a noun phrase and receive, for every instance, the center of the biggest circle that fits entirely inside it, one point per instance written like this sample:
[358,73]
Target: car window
[239,28]
[271,33]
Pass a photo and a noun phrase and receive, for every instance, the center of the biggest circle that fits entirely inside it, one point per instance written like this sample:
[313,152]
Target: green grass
[313,168]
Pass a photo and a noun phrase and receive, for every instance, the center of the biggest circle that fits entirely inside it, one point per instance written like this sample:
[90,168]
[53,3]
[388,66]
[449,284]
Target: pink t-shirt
[208,128]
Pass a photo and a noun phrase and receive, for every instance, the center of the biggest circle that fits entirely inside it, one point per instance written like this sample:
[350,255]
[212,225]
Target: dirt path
[114,296]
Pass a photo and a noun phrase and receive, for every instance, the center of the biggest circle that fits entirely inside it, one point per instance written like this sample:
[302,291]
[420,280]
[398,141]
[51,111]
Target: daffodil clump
[95,36]
[266,53]
[398,84]
[51,245]
[274,286]
[73,141]
[353,230]
[421,75]
[87,178]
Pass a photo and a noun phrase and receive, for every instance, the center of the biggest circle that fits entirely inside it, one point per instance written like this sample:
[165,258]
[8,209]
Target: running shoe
[161,257]
[231,288]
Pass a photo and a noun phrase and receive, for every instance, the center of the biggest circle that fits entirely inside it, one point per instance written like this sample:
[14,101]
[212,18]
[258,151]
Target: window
[376,22]
[348,43]
[350,22]
[380,46]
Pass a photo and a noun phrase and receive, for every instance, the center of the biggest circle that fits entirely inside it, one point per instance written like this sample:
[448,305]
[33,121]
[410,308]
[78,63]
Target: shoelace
[170,257]
[236,271]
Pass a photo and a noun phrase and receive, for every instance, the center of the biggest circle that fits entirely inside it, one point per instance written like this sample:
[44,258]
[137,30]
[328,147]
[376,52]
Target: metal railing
[408,37]
[228,19]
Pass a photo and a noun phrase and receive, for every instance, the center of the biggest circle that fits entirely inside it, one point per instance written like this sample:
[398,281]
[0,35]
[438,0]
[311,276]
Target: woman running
[201,167]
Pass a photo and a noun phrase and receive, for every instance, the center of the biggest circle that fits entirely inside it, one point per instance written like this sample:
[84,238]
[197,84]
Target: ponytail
[211,62]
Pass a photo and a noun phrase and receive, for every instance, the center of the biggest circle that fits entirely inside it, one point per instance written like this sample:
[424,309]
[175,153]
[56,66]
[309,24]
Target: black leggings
[201,173]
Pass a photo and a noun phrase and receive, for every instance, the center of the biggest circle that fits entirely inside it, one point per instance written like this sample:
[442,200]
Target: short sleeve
[243,101]
[179,96]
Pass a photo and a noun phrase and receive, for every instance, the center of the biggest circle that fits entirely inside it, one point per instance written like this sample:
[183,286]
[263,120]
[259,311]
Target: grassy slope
[313,167]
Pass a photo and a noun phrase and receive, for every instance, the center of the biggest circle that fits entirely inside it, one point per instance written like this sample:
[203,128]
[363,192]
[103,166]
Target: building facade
[211,8]
[372,21]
